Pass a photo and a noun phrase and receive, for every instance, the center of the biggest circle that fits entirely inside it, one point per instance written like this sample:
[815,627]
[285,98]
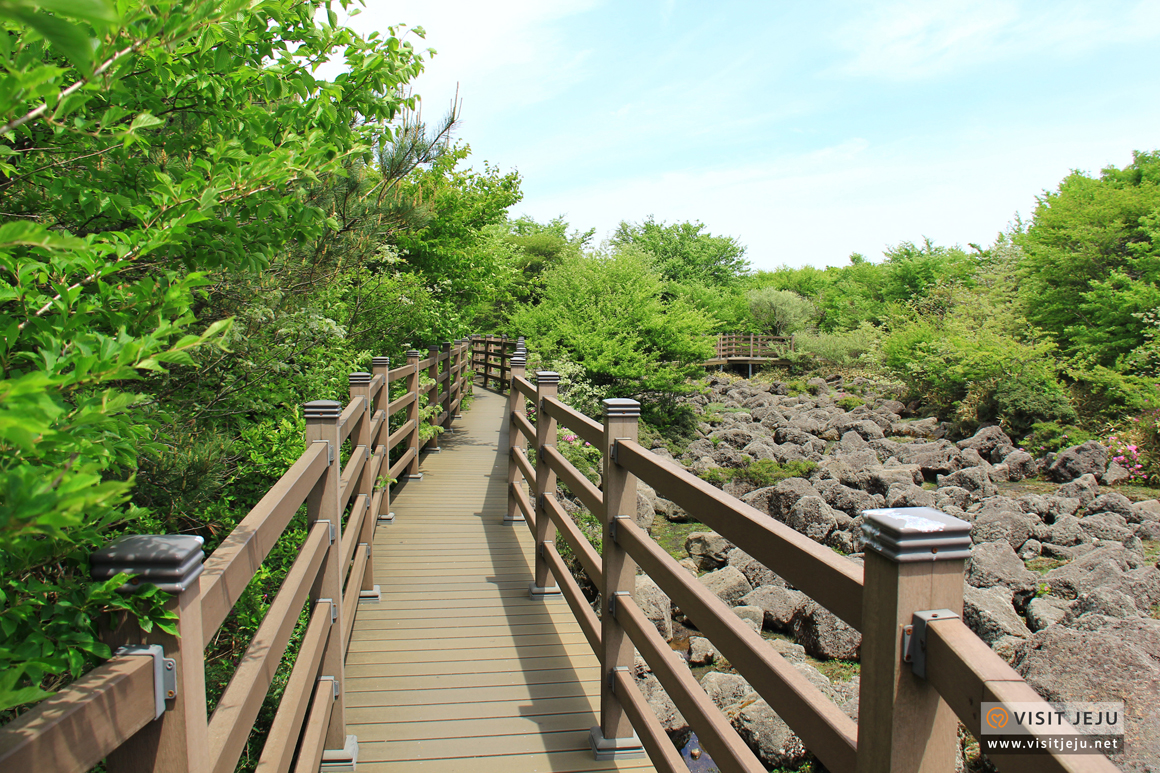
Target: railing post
[504,365]
[447,372]
[323,505]
[360,386]
[178,740]
[614,738]
[457,371]
[433,395]
[516,439]
[546,385]
[413,413]
[381,366]
[913,562]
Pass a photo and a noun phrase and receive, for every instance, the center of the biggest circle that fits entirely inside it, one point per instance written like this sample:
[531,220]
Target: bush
[761,473]
[780,311]
[1046,437]
[849,402]
[841,350]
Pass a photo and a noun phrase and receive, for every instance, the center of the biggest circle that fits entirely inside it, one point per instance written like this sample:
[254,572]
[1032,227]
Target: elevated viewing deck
[456,669]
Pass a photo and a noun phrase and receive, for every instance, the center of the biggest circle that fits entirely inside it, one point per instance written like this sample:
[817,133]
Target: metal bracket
[914,638]
[329,452]
[616,450]
[329,523]
[612,602]
[613,530]
[333,682]
[333,609]
[164,673]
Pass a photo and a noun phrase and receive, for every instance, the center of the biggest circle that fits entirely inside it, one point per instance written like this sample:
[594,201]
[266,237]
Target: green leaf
[69,39]
[145,121]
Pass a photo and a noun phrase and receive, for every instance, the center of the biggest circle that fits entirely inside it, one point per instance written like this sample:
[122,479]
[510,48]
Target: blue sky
[807,130]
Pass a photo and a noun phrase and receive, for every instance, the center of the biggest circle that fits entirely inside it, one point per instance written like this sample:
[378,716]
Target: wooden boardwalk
[456,670]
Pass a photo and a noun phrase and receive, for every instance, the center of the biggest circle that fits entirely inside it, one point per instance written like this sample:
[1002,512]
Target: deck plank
[455,668]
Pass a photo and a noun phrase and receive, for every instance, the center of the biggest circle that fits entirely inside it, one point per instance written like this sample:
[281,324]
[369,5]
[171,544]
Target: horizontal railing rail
[741,345]
[901,716]
[130,714]
[490,359]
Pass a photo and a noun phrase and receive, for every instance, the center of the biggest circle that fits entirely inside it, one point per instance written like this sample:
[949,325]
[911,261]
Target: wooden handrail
[583,426]
[575,597]
[525,428]
[346,422]
[399,435]
[230,568]
[522,461]
[79,726]
[350,474]
[831,580]
[823,728]
[229,726]
[656,741]
[317,723]
[574,480]
[281,742]
[585,553]
[525,506]
[526,388]
[714,732]
[377,383]
[397,373]
[400,403]
[966,672]
[350,596]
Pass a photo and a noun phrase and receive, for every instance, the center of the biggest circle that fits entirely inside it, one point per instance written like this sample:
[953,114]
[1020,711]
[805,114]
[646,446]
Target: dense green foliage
[607,312]
[200,234]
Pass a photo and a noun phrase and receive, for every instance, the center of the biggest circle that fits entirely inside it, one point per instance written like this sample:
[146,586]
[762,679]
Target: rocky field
[1063,584]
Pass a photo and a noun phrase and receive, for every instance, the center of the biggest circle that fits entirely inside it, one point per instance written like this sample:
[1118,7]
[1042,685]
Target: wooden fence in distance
[145,709]
[740,346]
[490,358]
[910,589]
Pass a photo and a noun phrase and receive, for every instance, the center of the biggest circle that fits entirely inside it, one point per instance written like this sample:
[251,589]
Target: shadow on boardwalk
[456,669]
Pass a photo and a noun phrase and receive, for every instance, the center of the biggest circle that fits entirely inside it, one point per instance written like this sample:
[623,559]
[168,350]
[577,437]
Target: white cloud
[917,39]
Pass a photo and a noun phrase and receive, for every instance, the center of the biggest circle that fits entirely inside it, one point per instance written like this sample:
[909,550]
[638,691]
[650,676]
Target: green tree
[145,149]
[780,312]
[608,313]
[684,253]
[1091,265]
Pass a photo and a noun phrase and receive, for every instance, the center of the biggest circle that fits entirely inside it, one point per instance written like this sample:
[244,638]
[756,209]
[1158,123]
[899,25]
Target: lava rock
[727,584]
[1090,458]
[823,635]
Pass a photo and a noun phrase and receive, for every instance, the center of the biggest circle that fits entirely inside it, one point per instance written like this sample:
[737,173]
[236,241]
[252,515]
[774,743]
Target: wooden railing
[146,710]
[490,357]
[739,345]
[906,720]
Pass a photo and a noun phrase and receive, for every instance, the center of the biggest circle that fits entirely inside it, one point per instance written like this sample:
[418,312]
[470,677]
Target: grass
[671,536]
[838,670]
[1015,489]
[1043,564]
[762,473]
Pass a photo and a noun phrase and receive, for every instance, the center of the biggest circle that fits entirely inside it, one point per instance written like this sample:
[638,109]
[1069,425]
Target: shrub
[1047,437]
[849,402]
[761,473]
[780,311]
[841,350]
